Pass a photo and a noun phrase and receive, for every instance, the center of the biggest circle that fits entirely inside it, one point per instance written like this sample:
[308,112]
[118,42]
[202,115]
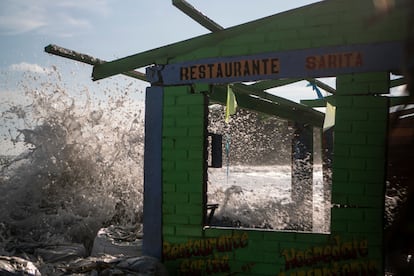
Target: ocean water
[253,189]
[77,162]
[260,197]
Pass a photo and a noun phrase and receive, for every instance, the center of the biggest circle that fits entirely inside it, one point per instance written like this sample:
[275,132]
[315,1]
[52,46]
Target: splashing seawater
[81,168]
[254,188]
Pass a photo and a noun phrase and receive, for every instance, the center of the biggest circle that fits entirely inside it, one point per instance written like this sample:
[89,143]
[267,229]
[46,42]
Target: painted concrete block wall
[183,162]
[360,158]
[249,252]
[355,242]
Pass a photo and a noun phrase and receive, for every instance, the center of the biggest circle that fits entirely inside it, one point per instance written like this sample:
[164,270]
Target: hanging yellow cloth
[231,104]
[329,117]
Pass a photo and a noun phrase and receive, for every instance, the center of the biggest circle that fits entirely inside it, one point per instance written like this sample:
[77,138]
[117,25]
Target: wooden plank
[85,58]
[292,112]
[197,16]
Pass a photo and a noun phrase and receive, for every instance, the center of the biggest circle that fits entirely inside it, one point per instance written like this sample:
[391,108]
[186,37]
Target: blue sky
[111,29]
[106,29]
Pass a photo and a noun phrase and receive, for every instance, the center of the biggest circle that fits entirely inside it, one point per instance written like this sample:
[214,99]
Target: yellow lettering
[174,251]
[166,248]
[318,253]
[327,253]
[244,239]
[300,255]
[363,248]
[185,266]
[309,259]
[301,273]
[336,250]
[317,272]
[196,248]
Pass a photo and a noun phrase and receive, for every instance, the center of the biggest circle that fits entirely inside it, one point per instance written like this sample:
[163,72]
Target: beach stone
[118,240]
[144,265]
[61,253]
[13,266]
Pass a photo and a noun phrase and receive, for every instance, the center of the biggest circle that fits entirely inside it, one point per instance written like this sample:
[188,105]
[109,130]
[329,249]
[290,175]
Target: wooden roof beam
[197,16]
[281,108]
[84,58]
[268,84]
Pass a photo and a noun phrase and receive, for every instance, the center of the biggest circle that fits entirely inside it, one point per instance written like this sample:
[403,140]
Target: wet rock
[113,265]
[13,266]
[91,264]
[145,265]
[60,253]
[117,251]
[118,240]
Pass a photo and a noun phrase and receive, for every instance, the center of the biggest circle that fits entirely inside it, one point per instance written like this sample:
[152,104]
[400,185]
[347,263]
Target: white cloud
[91,6]
[60,18]
[17,17]
[28,67]
[17,25]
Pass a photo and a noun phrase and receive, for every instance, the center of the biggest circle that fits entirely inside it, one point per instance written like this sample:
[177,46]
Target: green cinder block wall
[355,241]
[359,161]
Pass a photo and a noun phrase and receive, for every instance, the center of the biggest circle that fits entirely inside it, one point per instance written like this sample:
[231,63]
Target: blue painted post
[152,240]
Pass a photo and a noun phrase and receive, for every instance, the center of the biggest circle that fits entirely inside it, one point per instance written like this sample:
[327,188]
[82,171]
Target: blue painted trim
[304,63]
[152,241]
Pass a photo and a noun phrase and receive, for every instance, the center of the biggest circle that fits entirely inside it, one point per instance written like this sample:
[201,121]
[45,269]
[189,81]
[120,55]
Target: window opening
[253,188]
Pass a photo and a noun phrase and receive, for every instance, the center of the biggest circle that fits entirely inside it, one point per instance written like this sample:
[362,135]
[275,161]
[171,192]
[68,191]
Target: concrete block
[175,198]
[342,162]
[350,139]
[174,111]
[174,219]
[189,209]
[189,142]
[349,188]
[190,121]
[175,132]
[168,208]
[372,176]
[350,115]
[196,131]
[195,198]
[168,230]
[340,175]
[189,230]
[369,127]
[347,214]
[369,151]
